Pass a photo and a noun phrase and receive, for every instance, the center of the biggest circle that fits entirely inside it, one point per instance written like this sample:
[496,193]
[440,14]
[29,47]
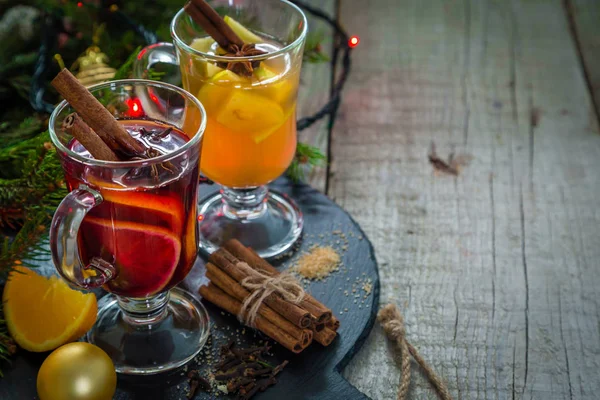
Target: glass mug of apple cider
[250,100]
[130,226]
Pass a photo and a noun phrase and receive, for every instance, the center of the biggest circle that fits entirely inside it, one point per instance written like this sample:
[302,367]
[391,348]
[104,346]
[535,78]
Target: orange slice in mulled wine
[145,208]
[145,256]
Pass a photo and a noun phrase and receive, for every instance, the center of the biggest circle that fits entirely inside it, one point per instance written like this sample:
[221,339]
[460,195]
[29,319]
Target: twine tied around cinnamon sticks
[261,285]
[393,325]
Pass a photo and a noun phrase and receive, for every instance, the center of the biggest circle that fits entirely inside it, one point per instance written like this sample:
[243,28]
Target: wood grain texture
[314,93]
[584,16]
[496,270]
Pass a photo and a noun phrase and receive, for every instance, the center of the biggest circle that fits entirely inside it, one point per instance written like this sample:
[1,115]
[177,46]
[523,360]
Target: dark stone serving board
[313,374]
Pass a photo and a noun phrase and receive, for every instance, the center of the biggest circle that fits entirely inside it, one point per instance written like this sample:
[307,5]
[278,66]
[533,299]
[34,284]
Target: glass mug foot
[153,335]
[267,221]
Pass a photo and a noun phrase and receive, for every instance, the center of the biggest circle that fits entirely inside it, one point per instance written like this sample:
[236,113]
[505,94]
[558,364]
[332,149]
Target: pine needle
[126,69]
[313,50]
[306,156]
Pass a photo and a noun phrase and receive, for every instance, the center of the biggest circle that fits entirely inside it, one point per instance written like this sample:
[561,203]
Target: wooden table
[496,270]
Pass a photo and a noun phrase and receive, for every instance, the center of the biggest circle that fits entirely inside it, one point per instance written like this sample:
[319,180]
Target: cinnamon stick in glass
[208,26]
[234,289]
[217,22]
[293,313]
[221,299]
[95,115]
[321,313]
[74,126]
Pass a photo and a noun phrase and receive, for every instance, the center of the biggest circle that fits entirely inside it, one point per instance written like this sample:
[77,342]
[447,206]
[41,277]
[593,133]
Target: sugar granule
[318,263]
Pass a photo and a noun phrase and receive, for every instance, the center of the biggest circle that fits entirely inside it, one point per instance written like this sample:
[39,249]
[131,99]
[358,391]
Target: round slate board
[313,374]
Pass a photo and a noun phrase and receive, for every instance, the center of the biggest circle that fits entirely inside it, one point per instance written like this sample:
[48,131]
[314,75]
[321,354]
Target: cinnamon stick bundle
[215,295]
[234,289]
[293,313]
[319,312]
[285,318]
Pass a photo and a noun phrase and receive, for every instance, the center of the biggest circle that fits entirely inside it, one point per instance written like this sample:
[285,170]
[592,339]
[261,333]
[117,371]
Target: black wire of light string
[341,42]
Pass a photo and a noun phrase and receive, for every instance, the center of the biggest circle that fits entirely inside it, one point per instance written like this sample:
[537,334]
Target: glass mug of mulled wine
[250,99]
[130,226]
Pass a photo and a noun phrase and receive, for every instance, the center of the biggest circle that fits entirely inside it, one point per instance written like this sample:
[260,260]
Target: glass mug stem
[144,312]
[244,204]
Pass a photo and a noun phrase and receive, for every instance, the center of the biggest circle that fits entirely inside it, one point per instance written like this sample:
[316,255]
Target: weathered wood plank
[585,20]
[496,270]
[314,93]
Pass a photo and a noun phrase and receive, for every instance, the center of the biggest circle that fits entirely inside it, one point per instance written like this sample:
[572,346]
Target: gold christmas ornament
[92,67]
[77,371]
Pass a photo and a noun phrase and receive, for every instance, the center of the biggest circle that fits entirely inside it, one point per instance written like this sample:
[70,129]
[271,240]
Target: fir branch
[126,69]
[306,155]
[313,51]
[18,63]
[39,170]
[21,85]
[10,134]
[8,346]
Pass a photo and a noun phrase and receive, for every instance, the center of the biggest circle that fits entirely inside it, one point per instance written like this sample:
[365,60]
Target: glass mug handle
[161,52]
[63,241]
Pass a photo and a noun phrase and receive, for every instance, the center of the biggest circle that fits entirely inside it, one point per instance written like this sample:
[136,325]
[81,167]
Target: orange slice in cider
[244,33]
[251,114]
[145,256]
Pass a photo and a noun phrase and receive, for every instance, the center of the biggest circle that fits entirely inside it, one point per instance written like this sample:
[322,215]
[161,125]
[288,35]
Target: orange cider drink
[250,137]
[249,91]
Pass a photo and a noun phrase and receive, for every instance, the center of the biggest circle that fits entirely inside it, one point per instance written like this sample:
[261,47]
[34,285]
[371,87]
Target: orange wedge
[45,313]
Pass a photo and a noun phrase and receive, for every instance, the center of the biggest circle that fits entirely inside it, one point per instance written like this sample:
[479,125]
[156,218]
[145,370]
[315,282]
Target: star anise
[242,67]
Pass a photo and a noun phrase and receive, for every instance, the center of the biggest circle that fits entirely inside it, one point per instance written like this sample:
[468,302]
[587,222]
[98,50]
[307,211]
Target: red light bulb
[135,107]
[353,41]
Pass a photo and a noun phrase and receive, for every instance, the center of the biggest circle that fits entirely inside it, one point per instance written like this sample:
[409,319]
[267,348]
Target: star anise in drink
[245,67]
